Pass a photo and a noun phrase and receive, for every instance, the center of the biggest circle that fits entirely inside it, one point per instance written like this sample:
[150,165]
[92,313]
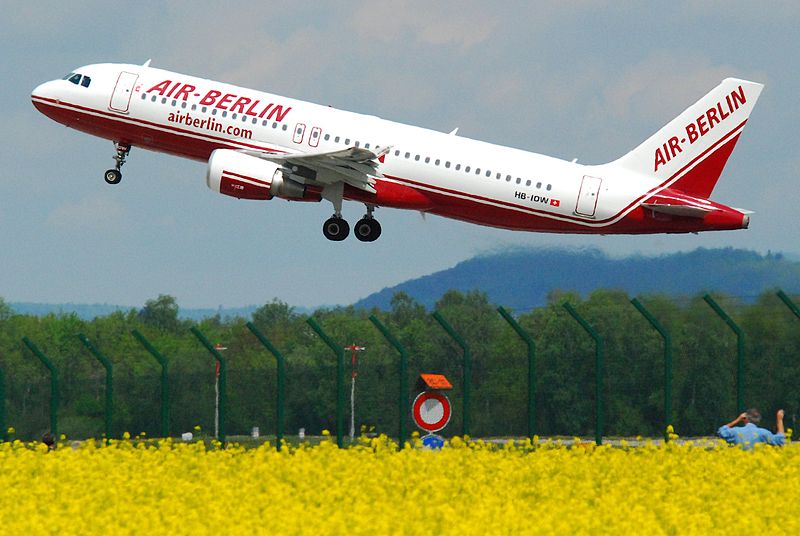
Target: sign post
[354,349]
[218,348]
[431,408]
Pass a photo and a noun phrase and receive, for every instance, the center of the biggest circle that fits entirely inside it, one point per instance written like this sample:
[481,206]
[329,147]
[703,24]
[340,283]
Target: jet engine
[248,177]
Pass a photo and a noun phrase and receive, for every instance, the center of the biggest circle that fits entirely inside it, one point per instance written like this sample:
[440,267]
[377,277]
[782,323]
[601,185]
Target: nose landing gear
[114,176]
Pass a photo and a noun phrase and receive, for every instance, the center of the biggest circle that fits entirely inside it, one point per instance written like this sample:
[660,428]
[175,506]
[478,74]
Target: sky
[583,79]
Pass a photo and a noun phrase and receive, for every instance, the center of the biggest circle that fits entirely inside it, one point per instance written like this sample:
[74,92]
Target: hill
[521,279]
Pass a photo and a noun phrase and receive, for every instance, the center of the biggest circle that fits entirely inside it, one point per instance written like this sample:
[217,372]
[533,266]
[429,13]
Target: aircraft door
[123,90]
[313,139]
[299,133]
[587,196]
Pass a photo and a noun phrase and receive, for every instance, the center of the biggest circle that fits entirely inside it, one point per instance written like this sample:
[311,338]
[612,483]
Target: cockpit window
[78,79]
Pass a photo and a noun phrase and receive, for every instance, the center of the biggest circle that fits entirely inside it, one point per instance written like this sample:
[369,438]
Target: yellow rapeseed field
[469,487]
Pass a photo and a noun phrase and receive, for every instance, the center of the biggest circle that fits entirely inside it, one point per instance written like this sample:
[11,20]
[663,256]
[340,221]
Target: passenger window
[427,159]
[327,137]
[183,104]
[466,169]
[194,107]
[458,167]
[397,153]
[336,139]
[357,144]
[499,175]
[416,158]
[408,155]
[437,162]
[488,173]
[549,187]
[447,165]
[347,141]
[164,100]
[477,171]
[538,185]
[174,103]
[154,98]
[366,146]
[224,113]
[284,127]
[508,178]
[519,180]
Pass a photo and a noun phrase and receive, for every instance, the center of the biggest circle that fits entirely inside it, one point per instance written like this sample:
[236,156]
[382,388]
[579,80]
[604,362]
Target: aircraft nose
[44,96]
[43,91]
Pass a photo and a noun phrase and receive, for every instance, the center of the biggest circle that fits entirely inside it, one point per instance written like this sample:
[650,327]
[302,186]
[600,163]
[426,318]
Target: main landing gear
[367,229]
[113,176]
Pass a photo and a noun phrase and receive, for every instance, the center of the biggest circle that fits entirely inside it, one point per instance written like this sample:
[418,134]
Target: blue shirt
[750,434]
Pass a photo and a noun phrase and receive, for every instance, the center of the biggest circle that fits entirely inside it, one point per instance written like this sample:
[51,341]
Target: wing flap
[355,166]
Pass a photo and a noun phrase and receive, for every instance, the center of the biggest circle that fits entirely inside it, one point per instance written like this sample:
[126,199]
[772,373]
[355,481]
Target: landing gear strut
[336,228]
[113,176]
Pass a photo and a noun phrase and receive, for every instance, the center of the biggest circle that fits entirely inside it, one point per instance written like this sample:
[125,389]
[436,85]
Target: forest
[704,376]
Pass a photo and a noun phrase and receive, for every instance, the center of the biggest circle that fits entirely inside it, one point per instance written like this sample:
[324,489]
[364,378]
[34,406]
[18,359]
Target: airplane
[260,146]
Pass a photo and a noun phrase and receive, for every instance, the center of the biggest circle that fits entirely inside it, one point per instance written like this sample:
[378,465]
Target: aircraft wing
[354,166]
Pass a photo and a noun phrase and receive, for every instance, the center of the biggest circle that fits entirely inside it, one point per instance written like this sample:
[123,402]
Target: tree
[161,313]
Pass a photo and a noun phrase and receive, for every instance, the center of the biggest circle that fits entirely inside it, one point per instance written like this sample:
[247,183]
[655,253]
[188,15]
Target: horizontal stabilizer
[677,210]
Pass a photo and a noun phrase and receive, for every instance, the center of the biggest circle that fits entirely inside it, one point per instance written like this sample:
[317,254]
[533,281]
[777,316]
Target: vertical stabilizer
[689,153]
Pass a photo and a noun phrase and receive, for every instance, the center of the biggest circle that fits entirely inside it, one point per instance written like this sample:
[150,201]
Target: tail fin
[689,153]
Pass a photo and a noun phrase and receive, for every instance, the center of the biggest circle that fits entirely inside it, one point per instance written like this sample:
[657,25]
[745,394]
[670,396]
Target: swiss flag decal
[555,202]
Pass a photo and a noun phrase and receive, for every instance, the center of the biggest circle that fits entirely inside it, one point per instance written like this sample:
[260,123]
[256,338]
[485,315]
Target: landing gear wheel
[367,229]
[336,229]
[113,176]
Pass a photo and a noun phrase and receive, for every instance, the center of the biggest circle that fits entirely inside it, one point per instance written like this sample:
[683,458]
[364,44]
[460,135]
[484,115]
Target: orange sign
[435,381]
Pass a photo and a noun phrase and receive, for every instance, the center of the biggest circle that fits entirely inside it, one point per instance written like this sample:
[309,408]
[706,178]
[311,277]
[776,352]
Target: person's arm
[779,421]
[737,420]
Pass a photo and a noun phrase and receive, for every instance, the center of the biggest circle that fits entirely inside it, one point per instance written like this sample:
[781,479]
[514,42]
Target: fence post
[3,427]
[403,398]
[466,380]
[789,303]
[739,350]
[599,366]
[525,336]
[109,381]
[223,375]
[164,380]
[338,349]
[54,396]
[281,382]
[667,362]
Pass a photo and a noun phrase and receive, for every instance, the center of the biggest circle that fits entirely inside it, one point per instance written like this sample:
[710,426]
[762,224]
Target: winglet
[147,63]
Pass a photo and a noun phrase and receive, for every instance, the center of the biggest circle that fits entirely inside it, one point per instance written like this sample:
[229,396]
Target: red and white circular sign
[431,411]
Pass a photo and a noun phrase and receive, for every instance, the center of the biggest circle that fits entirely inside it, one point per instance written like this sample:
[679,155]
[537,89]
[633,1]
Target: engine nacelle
[248,177]
[239,175]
